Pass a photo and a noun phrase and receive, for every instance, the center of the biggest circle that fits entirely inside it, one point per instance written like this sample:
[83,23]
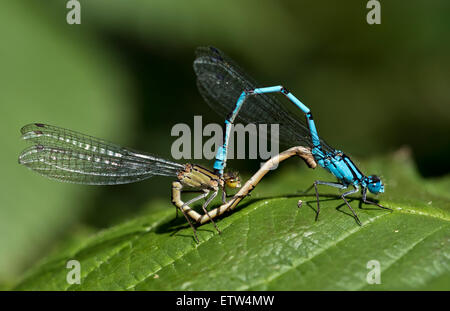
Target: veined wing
[70,156]
[221,81]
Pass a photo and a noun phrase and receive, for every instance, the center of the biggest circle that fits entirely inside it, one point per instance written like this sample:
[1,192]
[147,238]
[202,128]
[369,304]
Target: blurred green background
[125,74]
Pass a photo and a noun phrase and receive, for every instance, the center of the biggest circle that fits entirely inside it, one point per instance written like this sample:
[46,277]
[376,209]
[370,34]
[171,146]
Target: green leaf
[268,243]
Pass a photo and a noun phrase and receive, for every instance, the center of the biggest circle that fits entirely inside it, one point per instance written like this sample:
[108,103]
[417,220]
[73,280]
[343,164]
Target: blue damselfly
[237,97]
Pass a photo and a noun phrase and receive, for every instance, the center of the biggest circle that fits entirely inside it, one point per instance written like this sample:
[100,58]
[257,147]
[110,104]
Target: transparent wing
[221,81]
[73,157]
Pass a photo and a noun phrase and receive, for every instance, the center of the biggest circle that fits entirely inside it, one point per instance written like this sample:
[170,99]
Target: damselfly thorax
[196,176]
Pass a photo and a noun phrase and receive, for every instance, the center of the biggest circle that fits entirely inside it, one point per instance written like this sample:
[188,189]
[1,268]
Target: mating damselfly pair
[70,156]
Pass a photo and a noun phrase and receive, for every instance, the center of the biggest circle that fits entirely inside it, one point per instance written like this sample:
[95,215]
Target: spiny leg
[346,202]
[192,226]
[193,200]
[224,195]
[332,184]
[213,195]
[317,198]
[364,198]
[194,191]
[300,202]
[203,195]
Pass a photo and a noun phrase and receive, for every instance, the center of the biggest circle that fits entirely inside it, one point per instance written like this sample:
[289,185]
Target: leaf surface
[269,244]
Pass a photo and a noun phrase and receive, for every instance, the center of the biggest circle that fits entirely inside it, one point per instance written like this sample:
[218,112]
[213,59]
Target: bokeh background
[125,74]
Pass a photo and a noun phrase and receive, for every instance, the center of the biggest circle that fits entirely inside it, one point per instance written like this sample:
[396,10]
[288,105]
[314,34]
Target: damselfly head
[374,184]
[232,179]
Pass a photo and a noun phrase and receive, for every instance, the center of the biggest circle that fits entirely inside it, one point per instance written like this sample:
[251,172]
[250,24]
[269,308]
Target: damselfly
[73,157]
[236,96]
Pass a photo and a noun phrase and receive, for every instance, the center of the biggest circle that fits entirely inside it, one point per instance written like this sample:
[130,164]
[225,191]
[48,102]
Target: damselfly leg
[343,197]
[364,198]
[318,182]
[356,189]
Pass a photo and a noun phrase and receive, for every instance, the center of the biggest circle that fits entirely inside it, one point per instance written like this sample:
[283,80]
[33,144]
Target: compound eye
[374,179]
[233,183]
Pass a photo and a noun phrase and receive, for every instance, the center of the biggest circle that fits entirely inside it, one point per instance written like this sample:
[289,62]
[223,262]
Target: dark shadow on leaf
[179,223]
